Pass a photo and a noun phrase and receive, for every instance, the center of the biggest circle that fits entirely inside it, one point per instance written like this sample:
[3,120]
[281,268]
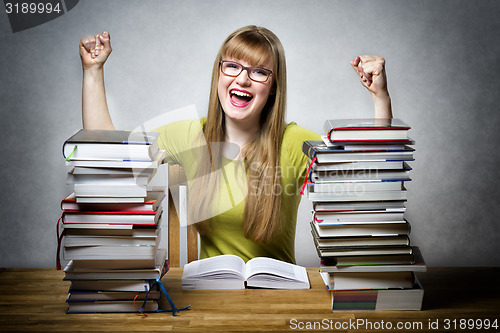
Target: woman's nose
[243,78]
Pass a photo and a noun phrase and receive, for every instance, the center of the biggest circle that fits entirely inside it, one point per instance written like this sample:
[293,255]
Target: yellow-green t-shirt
[181,141]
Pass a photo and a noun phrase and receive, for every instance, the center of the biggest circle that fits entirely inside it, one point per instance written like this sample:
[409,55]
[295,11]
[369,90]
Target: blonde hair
[262,156]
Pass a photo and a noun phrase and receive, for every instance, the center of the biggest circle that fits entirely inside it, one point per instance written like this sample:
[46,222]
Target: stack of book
[111,222]
[356,184]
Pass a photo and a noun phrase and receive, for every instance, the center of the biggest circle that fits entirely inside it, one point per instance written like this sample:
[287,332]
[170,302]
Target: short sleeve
[180,140]
[293,139]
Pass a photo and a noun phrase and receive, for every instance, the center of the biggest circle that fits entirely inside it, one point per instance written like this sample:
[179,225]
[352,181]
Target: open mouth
[239,97]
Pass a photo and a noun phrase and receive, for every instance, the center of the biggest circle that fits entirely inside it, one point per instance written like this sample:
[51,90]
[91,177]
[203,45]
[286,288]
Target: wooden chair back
[176,175]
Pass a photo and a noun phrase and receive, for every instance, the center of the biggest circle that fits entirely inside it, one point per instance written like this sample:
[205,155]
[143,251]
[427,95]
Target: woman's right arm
[94,51]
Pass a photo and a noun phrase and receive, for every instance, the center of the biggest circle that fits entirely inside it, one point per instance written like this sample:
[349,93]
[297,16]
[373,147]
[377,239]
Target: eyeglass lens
[255,73]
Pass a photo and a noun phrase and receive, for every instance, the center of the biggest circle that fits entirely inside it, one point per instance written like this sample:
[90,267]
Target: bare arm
[94,51]
[371,72]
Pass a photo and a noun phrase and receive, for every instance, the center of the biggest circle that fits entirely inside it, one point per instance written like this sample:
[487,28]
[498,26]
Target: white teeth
[240,93]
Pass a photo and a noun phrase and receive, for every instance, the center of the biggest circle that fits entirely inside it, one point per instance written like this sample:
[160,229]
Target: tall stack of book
[111,222]
[356,184]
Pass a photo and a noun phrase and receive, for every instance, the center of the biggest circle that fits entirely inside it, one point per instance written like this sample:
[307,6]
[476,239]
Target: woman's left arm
[371,72]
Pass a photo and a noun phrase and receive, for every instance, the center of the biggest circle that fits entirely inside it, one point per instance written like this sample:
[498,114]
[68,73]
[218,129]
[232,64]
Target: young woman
[244,205]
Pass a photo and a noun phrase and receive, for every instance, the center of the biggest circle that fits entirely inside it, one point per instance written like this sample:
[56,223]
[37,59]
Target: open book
[231,272]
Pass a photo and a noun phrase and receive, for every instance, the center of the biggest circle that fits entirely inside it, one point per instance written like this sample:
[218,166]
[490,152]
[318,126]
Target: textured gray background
[442,65]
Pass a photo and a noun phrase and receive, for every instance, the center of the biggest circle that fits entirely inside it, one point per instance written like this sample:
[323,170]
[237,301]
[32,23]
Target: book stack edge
[110,225]
[359,227]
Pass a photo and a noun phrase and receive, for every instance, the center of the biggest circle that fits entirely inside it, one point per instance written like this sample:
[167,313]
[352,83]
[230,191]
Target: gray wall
[442,65]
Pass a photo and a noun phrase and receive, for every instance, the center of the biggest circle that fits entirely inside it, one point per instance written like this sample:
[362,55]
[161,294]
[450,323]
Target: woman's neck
[241,133]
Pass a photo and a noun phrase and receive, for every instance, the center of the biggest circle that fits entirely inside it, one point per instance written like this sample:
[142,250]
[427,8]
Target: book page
[223,262]
[275,267]
[214,266]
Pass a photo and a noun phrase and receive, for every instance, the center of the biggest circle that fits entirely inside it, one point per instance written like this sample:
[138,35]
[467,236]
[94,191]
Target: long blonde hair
[262,156]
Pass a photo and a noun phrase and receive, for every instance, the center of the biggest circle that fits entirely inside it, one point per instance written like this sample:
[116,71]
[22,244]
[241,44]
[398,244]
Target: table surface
[34,300]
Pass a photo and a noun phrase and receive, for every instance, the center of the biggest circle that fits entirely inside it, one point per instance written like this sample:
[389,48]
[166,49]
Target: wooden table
[33,300]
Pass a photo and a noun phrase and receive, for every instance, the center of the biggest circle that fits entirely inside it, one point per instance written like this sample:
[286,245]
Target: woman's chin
[238,114]
[242,114]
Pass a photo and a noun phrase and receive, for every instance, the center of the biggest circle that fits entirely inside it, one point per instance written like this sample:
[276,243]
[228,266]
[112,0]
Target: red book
[371,130]
[116,217]
[151,203]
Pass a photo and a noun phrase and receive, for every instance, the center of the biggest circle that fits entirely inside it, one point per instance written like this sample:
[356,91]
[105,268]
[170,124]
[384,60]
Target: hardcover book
[370,129]
[152,202]
[111,145]
[73,273]
[380,300]
[325,154]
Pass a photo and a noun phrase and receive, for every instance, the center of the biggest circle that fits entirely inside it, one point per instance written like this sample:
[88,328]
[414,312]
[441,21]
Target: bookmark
[174,309]
[307,176]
